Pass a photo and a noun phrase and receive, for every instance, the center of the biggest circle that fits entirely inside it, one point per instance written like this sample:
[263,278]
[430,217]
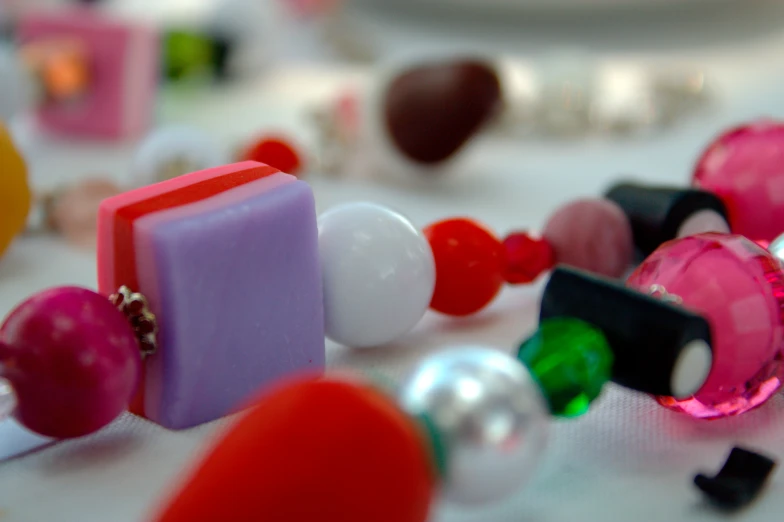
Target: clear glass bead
[8,399]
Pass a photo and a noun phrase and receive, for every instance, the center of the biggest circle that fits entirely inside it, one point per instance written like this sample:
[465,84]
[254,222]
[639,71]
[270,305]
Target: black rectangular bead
[646,334]
[656,213]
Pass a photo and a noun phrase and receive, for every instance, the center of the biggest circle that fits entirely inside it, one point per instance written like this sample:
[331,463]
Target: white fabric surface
[628,459]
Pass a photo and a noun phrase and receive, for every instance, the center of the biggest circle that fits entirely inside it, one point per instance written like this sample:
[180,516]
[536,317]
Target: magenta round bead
[739,288]
[592,234]
[72,359]
[743,168]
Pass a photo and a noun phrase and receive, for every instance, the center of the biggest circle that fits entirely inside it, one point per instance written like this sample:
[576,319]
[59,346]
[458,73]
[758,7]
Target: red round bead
[469,266]
[526,258]
[72,359]
[276,152]
[313,450]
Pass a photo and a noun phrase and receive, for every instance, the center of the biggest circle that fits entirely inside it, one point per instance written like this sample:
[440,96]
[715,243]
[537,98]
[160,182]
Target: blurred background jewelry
[421,116]
[570,96]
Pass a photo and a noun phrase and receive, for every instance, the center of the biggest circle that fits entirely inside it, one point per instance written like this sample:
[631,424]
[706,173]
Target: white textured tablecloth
[627,459]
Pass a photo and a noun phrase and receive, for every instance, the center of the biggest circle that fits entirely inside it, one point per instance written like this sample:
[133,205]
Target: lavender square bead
[235,283]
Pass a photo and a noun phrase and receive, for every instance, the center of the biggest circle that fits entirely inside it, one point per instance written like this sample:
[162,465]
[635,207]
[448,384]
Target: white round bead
[378,274]
[173,151]
[490,415]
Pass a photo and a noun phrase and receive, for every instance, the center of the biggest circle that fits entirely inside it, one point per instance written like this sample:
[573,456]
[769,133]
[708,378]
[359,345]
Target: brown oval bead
[432,110]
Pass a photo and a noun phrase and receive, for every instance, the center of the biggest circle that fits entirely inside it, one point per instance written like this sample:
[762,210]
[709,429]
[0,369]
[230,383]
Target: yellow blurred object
[14,190]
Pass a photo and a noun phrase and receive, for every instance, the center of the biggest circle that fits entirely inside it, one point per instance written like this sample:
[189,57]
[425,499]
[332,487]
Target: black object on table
[740,480]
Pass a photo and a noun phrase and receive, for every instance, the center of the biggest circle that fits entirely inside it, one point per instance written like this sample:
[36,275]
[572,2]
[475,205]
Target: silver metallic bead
[490,415]
[777,248]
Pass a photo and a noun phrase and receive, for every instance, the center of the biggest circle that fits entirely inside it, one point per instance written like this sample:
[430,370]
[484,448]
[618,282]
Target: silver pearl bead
[777,248]
[490,415]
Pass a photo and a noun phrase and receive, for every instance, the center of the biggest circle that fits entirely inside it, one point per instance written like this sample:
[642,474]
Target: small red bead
[526,258]
[276,152]
[469,266]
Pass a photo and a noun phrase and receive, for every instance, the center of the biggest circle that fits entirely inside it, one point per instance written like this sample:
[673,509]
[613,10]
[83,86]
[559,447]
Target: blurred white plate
[573,3]
[562,5]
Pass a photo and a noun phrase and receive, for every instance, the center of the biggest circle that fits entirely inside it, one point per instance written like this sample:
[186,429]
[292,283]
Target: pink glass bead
[743,168]
[592,234]
[739,288]
[72,359]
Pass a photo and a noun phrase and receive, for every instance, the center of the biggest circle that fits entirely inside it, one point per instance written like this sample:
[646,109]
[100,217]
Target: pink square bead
[123,68]
[739,288]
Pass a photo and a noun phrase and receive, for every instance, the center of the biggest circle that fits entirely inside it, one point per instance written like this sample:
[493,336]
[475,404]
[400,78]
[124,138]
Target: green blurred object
[438,447]
[191,55]
[571,361]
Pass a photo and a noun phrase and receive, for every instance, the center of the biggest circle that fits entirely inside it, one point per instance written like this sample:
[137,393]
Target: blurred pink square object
[123,67]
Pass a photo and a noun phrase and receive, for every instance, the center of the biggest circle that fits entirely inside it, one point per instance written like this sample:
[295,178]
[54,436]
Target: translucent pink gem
[739,288]
[744,168]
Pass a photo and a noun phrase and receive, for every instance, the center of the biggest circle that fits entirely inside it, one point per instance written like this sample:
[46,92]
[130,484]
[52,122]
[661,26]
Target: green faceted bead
[570,360]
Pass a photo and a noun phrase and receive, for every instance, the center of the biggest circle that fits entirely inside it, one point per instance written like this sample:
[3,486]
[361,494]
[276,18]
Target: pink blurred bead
[313,7]
[592,234]
[743,168]
[739,288]
[72,359]
[764,244]
[73,213]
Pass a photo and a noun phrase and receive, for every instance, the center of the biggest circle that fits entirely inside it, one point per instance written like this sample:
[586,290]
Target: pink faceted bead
[739,288]
[592,234]
[744,168]
[72,359]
